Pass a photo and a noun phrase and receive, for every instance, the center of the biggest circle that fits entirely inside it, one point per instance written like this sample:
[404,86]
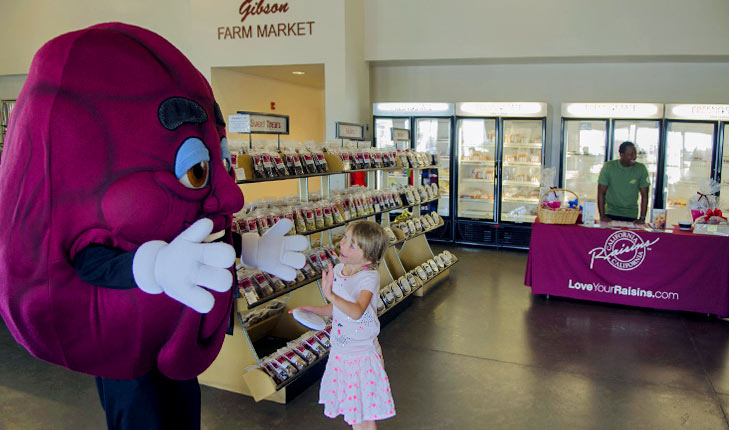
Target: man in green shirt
[618,187]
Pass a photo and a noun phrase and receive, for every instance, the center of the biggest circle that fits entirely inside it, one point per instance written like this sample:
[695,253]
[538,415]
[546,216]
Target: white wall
[236,91]
[192,26]
[554,83]
[10,86]
[437,29]
[26,25]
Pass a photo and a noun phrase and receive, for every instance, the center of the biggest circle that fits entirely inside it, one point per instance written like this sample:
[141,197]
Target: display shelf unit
[265,388]
[399,208]
[313,175]
[237,366]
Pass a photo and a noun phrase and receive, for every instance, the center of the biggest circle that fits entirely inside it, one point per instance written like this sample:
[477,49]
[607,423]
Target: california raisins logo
[624,250]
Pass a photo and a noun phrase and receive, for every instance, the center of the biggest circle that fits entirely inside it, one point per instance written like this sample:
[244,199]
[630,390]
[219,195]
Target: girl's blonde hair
[370,238]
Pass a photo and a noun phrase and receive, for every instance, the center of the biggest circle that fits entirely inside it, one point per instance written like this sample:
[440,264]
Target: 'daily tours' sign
[249,9]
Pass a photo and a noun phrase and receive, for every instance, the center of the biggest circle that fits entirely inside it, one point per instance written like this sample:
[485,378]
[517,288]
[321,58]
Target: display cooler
[695,141]
[500,154]
[591,135]
[431,126]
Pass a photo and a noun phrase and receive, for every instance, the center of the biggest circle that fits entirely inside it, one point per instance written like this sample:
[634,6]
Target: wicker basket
[559,215]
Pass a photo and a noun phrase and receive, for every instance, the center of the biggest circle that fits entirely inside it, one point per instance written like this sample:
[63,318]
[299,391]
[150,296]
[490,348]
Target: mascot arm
[105,267]
[274,252]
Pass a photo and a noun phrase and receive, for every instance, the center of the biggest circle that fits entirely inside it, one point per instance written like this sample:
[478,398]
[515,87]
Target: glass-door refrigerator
[500,153]
[696,139]
[432,132]
[592,134]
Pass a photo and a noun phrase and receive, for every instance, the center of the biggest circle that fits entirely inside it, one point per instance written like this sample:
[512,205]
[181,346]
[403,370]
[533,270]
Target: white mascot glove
[274,253]
[180,267]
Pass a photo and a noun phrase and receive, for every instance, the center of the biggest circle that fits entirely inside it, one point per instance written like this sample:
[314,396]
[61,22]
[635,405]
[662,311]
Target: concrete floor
[478,351]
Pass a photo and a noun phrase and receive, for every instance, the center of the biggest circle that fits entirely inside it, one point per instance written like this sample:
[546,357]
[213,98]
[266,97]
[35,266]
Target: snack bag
[300,218]
[311,342]
[306,354]
[279,165]
[323,338]
[295,359]
[246,289]
[308,161]
[260,280]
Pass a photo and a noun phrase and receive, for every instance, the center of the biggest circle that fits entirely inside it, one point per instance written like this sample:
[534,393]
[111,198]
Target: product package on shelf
[296,356]
[257,315]
[360,158]
[413,195]
[391,238]
[256,285]
[318,214]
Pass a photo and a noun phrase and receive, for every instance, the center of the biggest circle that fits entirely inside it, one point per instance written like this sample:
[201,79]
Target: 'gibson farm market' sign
[252,8]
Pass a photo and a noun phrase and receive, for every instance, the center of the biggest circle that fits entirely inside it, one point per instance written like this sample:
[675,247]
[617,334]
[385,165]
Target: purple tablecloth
[684,272]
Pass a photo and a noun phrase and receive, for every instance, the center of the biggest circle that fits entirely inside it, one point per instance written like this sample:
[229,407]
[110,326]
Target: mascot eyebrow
[176,111]
[219,116]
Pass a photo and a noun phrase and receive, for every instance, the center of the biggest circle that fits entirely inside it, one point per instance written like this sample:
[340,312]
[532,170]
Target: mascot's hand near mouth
[274,253]
[179,268]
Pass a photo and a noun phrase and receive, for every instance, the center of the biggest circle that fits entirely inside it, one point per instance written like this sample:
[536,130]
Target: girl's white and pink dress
[355,384]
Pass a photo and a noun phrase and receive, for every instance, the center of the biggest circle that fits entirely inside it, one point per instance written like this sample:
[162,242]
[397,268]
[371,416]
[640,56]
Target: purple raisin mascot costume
[115,173]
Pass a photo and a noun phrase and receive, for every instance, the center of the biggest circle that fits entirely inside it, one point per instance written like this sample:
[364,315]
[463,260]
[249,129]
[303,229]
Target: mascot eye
[192,163]
[197,176]
[225,151]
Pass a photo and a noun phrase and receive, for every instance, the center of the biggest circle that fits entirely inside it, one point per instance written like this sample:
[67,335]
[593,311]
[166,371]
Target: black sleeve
[105,267]
[237,243]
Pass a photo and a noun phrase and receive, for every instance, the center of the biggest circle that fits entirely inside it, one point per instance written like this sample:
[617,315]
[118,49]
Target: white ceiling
[313,73]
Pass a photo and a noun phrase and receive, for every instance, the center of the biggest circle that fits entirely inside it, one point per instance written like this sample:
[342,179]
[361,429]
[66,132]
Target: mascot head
[115,140]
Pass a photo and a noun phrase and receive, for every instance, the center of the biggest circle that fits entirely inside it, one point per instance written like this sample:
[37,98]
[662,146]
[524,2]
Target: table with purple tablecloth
[675,271]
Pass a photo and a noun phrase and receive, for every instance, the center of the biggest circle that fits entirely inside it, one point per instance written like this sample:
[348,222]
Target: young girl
[355,384]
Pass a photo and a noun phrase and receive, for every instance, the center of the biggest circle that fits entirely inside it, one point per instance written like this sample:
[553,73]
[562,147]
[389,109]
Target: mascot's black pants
[151,402]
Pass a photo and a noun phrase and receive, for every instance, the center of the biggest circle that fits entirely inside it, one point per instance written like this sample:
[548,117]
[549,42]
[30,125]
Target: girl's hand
[327,280]
[303,308]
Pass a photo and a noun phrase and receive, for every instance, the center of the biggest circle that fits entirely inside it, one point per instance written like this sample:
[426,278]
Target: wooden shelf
[400,208]
[310,175]
[422,284]
[302,372]
[405,239]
